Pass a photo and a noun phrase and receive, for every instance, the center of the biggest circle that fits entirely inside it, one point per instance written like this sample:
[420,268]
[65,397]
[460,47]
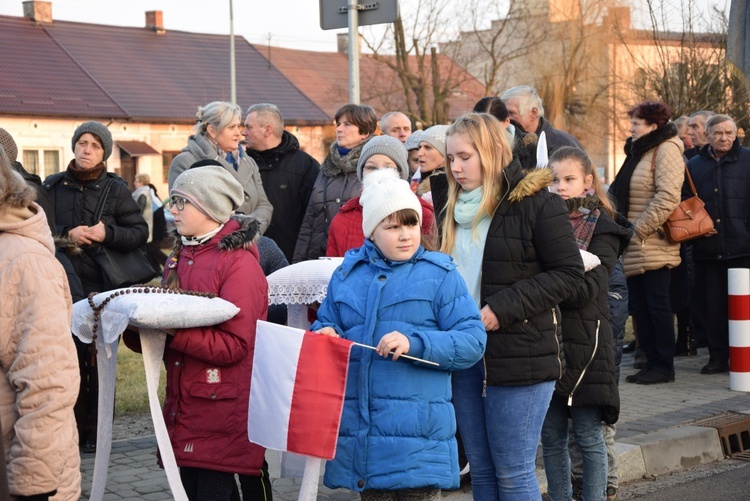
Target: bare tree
[574,83]
[430,71]
[499,34]
[687,69]
[409,50]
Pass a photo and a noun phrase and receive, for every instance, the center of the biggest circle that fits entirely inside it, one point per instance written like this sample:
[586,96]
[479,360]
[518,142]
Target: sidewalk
[651,438]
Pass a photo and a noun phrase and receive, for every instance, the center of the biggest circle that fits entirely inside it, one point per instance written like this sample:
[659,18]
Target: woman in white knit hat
[431,156]
[397,435]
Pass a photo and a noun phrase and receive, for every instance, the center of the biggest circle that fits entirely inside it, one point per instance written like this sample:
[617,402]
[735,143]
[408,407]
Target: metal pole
[353,52]
[232,76]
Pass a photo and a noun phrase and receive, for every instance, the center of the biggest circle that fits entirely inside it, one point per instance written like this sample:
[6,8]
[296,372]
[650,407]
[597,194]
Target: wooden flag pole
[405,356]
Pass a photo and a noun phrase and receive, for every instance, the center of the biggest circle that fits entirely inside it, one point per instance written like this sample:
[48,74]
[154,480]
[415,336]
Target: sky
[289,23]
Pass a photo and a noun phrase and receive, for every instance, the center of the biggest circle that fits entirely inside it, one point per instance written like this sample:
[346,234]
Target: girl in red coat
[208,368]
[345,232]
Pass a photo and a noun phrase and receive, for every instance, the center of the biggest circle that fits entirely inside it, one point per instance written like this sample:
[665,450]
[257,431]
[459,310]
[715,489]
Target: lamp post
[232,76]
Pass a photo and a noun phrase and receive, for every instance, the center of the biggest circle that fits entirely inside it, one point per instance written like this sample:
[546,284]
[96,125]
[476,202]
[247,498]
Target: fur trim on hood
[244,238]
[534,181]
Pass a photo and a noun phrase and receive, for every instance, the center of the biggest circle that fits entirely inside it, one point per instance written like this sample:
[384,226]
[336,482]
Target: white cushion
[153,310]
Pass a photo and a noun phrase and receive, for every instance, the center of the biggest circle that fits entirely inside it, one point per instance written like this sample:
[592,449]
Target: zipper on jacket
[591,359]
[557,341]
[484,379]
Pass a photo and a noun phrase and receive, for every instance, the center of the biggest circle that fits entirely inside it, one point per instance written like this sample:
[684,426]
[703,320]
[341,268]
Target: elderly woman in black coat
[75,195]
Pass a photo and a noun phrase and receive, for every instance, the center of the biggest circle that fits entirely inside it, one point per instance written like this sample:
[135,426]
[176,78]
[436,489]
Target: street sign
[334,13]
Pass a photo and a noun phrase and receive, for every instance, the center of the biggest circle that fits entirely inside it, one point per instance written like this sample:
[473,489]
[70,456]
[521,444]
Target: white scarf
[202,239]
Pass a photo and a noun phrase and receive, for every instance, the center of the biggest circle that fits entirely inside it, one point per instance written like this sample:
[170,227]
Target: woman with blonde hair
[530,263]
[38,365]
[218,132]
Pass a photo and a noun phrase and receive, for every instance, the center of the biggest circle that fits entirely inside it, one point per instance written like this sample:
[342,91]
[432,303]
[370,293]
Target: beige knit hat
[383,194]
[211,189]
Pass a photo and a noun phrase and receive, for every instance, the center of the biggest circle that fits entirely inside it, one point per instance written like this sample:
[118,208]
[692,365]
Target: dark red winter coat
[346,232]
[209,368]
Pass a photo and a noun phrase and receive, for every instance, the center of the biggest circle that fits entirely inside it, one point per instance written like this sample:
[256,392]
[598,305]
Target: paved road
[133,473]
[724,481]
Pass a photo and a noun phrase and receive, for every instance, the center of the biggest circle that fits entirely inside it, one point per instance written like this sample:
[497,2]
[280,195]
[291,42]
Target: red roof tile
[40,78]
[110,71]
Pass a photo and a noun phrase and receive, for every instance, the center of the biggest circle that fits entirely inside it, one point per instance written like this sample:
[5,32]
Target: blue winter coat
[398,426]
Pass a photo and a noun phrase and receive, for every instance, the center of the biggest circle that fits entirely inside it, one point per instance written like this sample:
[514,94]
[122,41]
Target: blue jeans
[501,434]
[587,430]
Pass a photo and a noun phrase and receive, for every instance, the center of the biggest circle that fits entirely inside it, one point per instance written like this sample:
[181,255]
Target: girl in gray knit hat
[380,153]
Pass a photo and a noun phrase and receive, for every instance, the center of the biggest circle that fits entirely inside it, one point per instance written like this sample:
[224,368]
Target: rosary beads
[138,288]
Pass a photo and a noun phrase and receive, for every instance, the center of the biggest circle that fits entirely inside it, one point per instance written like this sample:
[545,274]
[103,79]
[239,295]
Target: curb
[668,450]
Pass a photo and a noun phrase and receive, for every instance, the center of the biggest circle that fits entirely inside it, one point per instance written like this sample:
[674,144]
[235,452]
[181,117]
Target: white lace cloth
[150,312]
[302,283]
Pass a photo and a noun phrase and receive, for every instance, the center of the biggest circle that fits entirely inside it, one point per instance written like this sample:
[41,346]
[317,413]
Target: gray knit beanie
[211,189]
[9,145]
[388,146]
[384,194]
[435,135]
[99,130]
[412,142]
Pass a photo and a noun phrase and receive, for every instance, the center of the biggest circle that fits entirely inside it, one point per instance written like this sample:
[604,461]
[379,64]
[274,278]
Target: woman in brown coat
[647,190]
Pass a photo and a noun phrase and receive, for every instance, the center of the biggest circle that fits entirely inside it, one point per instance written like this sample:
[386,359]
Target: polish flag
[297,390]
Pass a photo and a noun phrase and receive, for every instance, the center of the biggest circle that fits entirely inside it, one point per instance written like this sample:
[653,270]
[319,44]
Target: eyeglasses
[178,202]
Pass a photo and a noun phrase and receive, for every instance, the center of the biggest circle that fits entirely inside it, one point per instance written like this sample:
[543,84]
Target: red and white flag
[297,390]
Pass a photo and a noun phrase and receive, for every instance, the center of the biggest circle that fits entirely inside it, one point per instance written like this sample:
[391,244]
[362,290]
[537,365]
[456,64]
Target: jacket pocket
[213,407]
[210,391]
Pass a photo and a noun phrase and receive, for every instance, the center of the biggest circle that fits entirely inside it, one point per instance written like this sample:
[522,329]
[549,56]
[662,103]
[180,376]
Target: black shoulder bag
[120,269]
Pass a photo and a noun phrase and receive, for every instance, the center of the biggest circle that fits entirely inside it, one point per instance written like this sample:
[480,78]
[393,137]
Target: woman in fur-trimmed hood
[209,368]
[530,263]
[337,181]
[36,399]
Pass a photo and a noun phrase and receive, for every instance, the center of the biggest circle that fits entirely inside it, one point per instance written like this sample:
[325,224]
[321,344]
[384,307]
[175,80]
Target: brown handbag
[690,219]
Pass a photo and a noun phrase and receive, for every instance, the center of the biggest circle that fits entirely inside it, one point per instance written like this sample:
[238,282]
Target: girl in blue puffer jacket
[397,435]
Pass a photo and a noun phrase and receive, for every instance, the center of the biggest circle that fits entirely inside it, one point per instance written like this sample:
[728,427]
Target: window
[166,158]
[41,162]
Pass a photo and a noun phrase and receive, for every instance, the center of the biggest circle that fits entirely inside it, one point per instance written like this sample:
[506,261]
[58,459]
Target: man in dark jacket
[721,173]
[525,108]
[288,173]
[75,196]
